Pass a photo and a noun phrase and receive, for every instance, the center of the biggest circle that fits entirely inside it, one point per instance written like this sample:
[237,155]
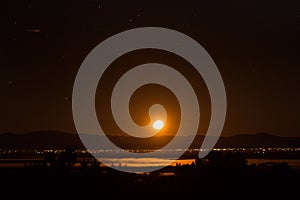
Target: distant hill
[258,140]
[61,140]
[39,140]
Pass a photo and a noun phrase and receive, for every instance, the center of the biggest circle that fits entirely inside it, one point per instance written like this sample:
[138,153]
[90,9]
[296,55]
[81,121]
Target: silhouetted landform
[61,140]
[224,175]
[258,140]
[39,140]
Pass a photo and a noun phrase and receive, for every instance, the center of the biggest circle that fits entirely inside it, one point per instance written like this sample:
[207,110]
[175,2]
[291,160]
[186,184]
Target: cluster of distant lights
[254,150]
[197,150]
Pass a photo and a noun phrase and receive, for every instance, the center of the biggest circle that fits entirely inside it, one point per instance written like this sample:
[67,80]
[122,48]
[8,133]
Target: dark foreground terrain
[222,176]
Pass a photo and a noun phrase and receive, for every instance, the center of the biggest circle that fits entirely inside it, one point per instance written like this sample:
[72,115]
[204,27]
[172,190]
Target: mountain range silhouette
[60,140]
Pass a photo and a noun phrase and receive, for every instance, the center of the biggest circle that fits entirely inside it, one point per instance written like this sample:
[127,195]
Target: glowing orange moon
[158,124]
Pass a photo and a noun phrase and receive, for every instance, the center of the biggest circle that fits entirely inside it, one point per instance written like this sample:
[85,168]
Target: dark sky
[255,45]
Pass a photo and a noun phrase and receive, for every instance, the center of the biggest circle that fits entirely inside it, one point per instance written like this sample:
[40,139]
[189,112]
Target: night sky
[255,45]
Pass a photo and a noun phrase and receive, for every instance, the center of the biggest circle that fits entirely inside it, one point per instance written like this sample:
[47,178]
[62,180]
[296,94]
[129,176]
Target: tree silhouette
[66,158]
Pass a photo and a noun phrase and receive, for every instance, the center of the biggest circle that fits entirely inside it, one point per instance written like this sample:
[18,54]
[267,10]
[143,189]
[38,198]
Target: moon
[158,124]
